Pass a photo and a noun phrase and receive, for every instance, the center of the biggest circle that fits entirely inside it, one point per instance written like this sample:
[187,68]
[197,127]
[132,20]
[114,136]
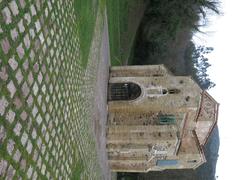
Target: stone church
[156,120]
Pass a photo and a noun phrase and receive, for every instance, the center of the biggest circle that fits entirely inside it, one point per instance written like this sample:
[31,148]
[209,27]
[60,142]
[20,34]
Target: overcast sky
[223,33]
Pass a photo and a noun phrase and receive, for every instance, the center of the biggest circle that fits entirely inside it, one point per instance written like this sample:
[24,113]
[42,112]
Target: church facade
[156,120]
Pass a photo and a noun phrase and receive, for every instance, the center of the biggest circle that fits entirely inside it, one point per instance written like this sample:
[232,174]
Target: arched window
[123,91]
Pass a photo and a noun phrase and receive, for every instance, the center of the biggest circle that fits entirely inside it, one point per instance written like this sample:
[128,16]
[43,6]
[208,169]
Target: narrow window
[192,161]
[169,162]
[174,91]
[187,98]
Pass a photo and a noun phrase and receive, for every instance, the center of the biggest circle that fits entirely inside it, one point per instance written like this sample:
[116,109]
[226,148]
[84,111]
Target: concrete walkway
[100,106]
[49,102]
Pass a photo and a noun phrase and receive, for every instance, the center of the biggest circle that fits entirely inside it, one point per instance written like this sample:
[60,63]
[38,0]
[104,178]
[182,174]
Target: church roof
[206,118]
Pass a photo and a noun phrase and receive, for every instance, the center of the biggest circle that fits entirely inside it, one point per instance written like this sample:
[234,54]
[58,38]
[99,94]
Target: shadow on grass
[124,17]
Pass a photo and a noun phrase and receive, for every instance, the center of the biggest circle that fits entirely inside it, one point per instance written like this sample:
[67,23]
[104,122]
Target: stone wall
[136,138]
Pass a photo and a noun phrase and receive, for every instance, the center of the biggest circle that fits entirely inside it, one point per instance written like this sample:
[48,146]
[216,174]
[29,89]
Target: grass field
[49,54]
[122,22]
[124,17]
[86,12]
[46,81]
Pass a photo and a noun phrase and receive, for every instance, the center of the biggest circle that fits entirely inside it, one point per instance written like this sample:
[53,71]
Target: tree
[201,64]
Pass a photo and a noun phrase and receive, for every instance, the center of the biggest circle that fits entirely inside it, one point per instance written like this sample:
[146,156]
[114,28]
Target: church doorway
[123,91]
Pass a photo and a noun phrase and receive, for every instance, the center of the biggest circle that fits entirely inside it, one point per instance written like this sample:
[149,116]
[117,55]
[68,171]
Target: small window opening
[192,161]
[164,91]
[174,91]
[187,98]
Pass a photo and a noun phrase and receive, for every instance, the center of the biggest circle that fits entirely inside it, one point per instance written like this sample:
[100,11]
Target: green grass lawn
[86,12]
[45,111]
[45,97]
[124,17]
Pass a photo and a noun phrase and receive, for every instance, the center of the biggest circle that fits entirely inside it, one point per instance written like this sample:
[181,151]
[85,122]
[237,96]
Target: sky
[223,33]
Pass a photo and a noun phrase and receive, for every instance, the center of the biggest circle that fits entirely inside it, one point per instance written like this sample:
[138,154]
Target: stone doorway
[123,91]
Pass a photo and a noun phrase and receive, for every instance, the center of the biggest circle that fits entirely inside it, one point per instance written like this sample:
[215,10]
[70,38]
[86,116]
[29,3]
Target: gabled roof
[206,118]
[200,149]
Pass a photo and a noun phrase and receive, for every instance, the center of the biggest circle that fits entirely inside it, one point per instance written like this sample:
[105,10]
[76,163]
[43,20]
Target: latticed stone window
[167,119]
[123,91]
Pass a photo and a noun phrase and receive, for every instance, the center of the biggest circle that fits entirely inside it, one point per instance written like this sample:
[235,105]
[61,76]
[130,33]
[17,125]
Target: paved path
[47,99]
[100,108]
